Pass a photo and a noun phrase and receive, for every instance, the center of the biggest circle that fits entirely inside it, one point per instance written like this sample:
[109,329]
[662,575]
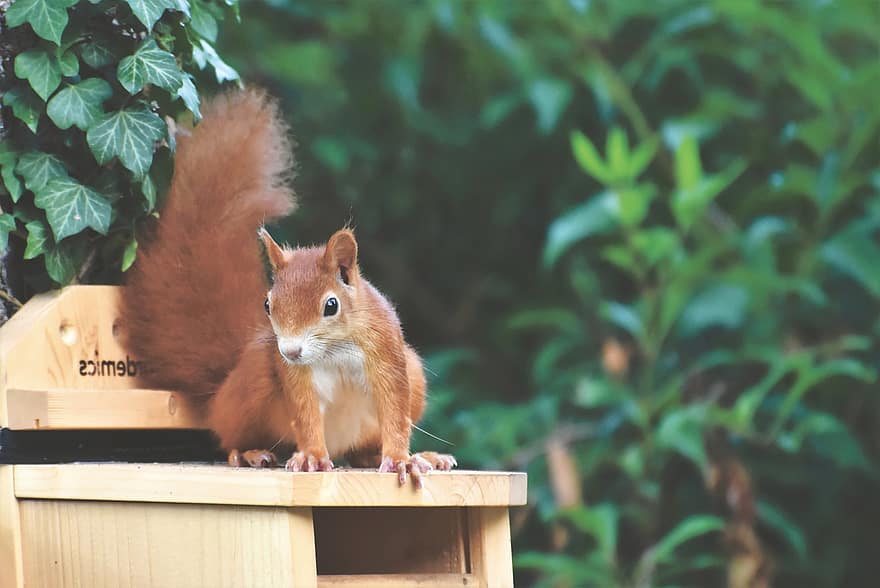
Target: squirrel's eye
[331,307]
[267,307]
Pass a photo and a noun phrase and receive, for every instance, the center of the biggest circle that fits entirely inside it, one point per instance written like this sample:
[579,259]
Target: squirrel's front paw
[418,465]
[256,458]
[306,461]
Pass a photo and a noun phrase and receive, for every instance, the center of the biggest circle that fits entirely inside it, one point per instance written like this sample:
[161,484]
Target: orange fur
[194,307]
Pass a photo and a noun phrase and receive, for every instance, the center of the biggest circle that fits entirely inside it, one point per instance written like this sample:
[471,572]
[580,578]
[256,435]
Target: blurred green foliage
[637,242]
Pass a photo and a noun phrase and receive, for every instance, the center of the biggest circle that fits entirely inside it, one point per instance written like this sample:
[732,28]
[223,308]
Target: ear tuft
[273,252]
[341,253]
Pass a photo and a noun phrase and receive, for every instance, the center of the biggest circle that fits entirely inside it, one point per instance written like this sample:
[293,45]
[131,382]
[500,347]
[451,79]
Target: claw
[418,465]
[255,458]
[308,462]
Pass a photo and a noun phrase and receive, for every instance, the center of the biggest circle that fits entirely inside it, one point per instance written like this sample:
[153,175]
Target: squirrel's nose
[292,352]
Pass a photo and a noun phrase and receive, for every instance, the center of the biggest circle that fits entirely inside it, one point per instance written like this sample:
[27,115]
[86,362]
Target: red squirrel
[314,361]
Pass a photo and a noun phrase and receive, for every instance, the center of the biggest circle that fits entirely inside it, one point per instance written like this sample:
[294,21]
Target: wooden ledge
[220,484]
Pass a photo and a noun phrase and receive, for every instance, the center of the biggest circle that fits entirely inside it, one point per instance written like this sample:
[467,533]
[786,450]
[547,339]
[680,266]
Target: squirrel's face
[311,303]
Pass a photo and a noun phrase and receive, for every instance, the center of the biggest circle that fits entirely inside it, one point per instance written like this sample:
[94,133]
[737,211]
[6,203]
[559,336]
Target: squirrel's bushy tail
[195,294]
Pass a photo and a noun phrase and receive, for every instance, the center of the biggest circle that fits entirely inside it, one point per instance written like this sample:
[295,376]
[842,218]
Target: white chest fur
[345,401]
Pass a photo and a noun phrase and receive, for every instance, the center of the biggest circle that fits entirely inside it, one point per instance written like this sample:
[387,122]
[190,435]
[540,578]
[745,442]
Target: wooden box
[190,525]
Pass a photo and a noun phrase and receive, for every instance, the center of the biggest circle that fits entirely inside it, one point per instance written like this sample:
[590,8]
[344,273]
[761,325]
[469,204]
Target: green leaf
[149,11]
[67,63]
[148,187]
[720,305]
[617,152]
[129,135]
[38,239]
[8,160]
[688,204]
[48,18]
[26,106]
[149,65]
[642,157]
[854,252]
[635,203]
[96,55]
[129,254]
[601,522]
[71,207]
[550,97]
[7,225]
[60,264]
[681,430]
[688,170]
[38,168]
[202,21]
[622,316]
[588,158]
[777,520]
[203,54]
[595,216]
[79,104]
[41,69]
[690,528]
[190,96]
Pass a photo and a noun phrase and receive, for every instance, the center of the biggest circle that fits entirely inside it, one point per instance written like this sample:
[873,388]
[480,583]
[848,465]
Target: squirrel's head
[311,304]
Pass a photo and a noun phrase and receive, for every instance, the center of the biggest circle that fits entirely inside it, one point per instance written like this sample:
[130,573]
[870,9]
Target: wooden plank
[98,409]
[214,484]
[10,532]
[301,531]
[400,581]
[108,545]
[413,540]
[491,559]
[67,339]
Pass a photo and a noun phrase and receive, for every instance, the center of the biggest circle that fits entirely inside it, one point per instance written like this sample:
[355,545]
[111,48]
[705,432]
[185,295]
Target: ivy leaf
[149,65]
[190,96]
[38,239]
[128,135]
[38,168]
[7,225]
[41,69]
[48,18]
[60,265]
[148,187]
[149,11]
[67,63]
[79,104]
[25,106]
[129,254]
[96,55]
[8,160]
[203,54]
[203,22]
[71,207]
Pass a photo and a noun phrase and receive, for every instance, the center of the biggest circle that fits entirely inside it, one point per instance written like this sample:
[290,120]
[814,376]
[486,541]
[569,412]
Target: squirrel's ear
[341,253]
[273,252]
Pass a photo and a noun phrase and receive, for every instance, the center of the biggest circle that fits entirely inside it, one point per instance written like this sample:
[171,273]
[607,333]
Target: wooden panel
[98,409]
[400,581]
[489,542]
[206,484]
[101,545]
[10,532]
[410,540]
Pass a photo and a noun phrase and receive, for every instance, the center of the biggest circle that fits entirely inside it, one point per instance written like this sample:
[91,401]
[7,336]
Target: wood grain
[491,560]
[10,532]
[400,581]
[98,409]
[110,545]
[214,484]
